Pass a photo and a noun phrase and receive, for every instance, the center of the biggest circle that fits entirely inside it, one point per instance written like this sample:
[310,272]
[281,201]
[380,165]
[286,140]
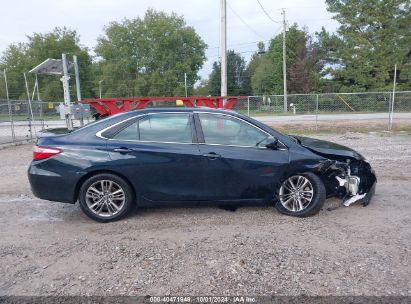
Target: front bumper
[367,198]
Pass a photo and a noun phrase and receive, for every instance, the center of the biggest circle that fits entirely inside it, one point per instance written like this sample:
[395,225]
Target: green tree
[236,75]
[303,64]
[214,81]
[22,57]
[203,88]
[304,73]
[149,56]
[251,68]
[373,36]
[262,79]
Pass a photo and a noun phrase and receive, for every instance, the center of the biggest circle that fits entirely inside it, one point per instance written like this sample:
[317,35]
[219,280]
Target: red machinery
[110,106]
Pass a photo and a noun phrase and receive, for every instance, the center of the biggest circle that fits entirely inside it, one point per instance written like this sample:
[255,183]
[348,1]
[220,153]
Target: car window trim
[201,137]
[100,133]
[134,119]
[120,127]
[151,141]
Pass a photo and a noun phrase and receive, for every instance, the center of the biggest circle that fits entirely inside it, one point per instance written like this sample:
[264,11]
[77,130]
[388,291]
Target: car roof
[184,110]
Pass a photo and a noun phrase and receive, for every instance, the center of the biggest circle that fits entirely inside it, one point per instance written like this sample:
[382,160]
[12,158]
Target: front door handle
[212,155]
[122,150]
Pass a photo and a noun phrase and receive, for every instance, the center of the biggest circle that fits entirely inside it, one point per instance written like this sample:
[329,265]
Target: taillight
[44,152]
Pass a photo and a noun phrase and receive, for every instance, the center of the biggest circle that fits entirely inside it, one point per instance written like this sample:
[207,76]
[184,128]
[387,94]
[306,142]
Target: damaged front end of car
[345,172]
[352,180]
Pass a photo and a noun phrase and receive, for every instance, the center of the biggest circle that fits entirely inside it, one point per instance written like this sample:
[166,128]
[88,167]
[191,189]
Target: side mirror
[272,143]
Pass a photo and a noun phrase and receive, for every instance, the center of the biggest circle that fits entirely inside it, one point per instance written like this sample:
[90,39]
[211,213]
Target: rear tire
[106,198]
[301,195]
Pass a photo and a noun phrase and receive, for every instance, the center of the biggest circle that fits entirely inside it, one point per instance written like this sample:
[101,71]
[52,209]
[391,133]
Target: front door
[237,165]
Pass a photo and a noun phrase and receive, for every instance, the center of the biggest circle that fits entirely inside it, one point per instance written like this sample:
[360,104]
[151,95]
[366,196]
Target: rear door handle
[212,155]
[122,150]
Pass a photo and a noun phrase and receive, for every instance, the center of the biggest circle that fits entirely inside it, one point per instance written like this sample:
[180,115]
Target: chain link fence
[372,111]
[20,120]
[330,103]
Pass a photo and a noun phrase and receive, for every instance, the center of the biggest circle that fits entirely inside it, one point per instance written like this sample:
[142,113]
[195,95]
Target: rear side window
[159,128]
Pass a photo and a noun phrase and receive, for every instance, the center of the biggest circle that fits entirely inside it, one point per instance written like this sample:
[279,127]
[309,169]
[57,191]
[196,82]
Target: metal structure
[77,77]
[9,108]
[393,98]
[60,67]
[49,67]
[30,112]
[65,110]
[110,106]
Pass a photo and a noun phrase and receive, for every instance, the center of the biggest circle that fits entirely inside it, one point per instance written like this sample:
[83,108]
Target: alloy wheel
[296,193]
[105,198]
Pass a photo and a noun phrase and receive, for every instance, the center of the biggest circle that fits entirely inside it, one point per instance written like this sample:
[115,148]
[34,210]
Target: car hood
[328,148]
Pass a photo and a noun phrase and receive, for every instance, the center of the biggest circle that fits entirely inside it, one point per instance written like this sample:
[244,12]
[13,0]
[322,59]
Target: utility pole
[284,61]
[65,80]
[99,87]
[76,75]
[185,82]
[223,47]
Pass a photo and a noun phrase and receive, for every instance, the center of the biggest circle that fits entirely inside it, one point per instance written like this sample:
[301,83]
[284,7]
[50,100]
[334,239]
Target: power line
[265,12]
[243,21]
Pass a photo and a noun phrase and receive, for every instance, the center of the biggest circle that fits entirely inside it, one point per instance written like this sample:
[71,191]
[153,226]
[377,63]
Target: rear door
[159,154]
[237,165]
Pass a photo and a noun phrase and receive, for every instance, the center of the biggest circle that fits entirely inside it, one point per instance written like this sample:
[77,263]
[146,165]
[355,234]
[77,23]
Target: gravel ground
[53,249]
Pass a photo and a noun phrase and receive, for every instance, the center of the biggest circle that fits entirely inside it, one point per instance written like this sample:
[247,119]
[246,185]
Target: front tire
[301,195]
[106,197]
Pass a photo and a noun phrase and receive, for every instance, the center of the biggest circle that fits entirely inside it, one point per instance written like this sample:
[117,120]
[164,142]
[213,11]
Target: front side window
[159,128]
[226,130]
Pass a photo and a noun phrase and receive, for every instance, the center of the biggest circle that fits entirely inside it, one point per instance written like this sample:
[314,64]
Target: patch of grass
[263,113]
[402,127]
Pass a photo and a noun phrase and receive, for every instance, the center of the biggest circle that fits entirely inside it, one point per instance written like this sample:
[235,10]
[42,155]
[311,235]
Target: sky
[246,22]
